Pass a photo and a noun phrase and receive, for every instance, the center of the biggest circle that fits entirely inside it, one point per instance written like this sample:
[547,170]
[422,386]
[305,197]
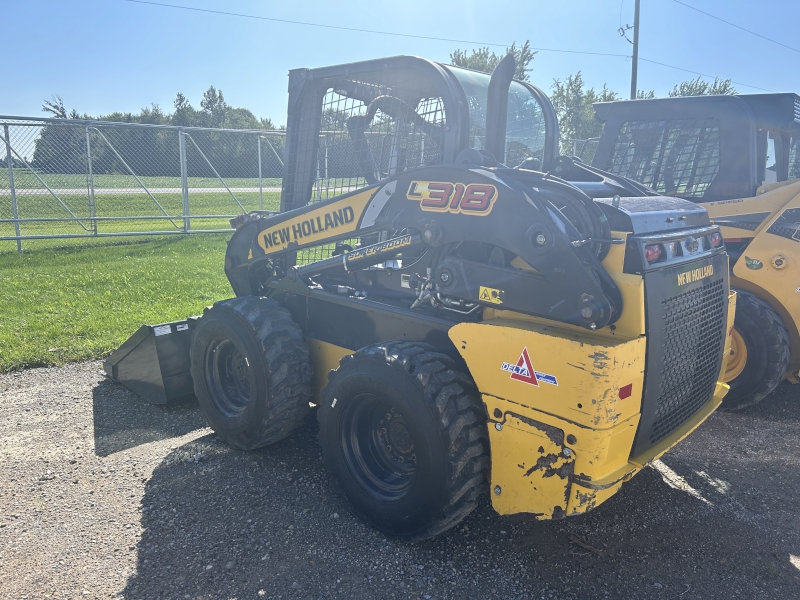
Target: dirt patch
[104,496]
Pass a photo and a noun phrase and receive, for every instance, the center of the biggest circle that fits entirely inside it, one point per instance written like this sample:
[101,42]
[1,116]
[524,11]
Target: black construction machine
[463,318]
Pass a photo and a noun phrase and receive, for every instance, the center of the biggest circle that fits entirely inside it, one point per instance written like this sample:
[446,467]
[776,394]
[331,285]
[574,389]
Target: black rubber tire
[444,419]
[251,371]
[768,350]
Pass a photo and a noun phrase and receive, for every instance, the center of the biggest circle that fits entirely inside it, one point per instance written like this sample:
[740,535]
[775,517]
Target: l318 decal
[442,196]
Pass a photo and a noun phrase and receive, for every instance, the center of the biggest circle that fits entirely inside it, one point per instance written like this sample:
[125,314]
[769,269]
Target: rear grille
[692,347]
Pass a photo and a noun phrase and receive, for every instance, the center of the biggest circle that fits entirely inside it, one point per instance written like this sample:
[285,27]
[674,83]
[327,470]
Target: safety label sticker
[162,330]
[487,294]
[523,371]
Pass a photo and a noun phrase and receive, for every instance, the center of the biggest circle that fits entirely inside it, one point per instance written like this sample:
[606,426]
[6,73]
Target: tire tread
[286,356]
[460,416]
[776,337]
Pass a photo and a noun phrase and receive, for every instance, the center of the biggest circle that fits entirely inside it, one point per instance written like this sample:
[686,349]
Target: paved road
[104,495]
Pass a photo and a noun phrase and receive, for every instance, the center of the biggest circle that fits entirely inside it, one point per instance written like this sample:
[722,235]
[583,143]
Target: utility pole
[635,60]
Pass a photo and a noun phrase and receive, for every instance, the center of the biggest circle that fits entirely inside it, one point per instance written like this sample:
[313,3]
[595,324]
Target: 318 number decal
[440,196]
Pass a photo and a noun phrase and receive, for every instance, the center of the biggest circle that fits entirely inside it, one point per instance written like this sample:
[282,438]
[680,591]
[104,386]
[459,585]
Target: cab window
[525,125]
[771,168]
[675,157]
[794,160]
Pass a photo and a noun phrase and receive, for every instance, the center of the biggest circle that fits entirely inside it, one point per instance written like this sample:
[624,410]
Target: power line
[702,74]
[408,35]
[763,37]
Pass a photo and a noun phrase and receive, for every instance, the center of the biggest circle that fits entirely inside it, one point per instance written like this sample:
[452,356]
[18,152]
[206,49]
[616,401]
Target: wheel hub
[378,447]
[396,438]
[737,358]
[228,378]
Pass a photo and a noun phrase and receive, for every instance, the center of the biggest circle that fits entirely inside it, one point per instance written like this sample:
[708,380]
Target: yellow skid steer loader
[464,320]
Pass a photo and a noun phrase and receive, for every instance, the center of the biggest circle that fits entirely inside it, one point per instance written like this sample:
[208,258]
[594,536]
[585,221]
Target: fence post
[260,185]
[90,183]
[10,162]
[184,182]
[319,182]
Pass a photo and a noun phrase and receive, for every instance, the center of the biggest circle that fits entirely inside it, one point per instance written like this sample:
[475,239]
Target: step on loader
[464,320]
[738,157]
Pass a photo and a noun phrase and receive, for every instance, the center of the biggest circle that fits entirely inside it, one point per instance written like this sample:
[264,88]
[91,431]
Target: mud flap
[154,362]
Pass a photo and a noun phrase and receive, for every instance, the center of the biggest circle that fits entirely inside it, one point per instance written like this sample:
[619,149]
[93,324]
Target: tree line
[154,152]
[571,98]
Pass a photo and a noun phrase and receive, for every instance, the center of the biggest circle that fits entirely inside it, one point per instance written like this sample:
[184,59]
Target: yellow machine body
[559,449]
[770,265]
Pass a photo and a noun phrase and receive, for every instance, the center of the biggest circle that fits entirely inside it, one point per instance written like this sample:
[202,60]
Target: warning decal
[486,294]
[523,371]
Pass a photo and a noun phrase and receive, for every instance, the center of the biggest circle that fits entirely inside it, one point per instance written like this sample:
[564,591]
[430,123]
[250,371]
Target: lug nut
[541,239]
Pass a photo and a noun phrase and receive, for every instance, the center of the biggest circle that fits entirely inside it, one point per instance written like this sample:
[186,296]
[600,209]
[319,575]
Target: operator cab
[704,148]
[361,123]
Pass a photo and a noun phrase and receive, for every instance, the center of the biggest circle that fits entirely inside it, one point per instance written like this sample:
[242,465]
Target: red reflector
[716,239]
[625,391]
[652,252]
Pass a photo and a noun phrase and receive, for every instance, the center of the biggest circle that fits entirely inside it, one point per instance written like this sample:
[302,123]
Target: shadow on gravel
[219,523]
[123,420]
[781,405]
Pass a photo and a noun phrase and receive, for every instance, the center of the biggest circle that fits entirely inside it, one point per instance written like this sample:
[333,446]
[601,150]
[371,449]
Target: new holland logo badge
[523,371]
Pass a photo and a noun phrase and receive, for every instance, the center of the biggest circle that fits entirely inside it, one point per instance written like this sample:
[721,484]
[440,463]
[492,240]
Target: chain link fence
[63,178]
[583,149]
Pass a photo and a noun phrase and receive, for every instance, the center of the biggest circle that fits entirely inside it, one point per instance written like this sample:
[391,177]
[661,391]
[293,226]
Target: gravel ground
[103,495]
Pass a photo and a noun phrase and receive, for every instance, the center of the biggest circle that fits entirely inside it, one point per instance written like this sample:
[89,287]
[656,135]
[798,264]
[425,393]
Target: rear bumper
[587,493]
[545,462]
[539,470]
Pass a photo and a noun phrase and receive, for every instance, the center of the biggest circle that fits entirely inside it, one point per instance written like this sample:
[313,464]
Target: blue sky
[106,55]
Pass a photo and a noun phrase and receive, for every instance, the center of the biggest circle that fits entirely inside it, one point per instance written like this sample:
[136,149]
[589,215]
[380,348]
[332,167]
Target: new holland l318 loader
[739,158]
[462,325]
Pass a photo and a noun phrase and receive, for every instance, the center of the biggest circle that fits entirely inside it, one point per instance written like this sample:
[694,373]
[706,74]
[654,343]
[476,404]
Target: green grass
[73,299]
[24,179]
[64,302]
[130,205]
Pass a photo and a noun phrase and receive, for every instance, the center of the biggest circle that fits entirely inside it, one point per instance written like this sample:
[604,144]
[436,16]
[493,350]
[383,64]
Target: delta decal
[523,371]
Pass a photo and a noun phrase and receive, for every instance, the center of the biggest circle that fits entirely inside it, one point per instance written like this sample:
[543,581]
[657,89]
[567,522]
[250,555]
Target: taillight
[716,239]
[652,252]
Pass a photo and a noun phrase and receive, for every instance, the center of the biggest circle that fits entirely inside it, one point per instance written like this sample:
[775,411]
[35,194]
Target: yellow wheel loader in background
[738,157]
[463,320]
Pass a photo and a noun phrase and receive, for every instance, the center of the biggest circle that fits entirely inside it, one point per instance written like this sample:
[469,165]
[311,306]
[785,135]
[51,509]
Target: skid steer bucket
[154,362]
